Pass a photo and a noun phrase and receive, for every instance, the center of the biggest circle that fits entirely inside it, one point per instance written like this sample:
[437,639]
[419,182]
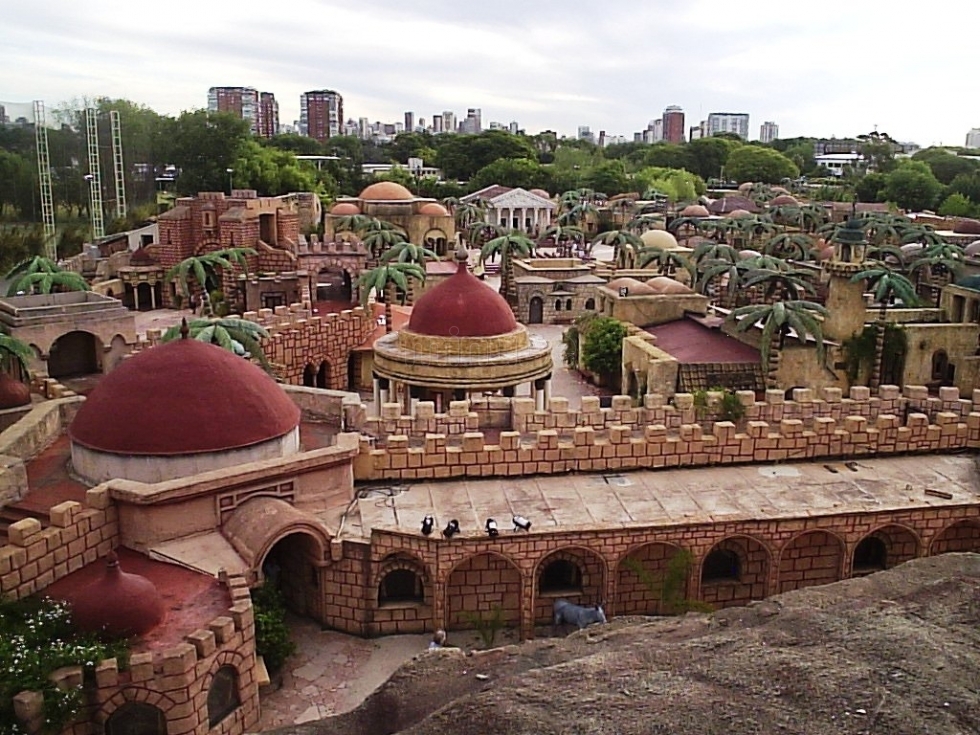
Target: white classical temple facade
[518,209]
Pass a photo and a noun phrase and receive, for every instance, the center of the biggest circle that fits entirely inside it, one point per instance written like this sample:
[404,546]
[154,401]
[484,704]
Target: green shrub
[486,627]
[273,641]
[602,346]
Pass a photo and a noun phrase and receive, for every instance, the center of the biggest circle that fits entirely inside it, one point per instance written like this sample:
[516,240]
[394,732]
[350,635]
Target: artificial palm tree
[240,336]
[379,241]
[709,250]
[625,246]
[15,354]
[667,262]
[42,275]
[466,213]
[205,269]
[450,203]
[777,319]
[507,246]
[779,284]
[643,222]
[409,252]
[352,223]
[386,277]
[579,215]
[789,245]
[690,226]
[720,270]
[565,237]
[888,287]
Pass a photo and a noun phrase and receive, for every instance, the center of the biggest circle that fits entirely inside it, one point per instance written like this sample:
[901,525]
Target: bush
[957,205]
[487,627]
[273,641]
[602,347]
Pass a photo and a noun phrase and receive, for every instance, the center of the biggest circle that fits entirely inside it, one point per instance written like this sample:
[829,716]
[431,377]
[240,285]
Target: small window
[870,555]
[557,304]
[568,304]
[209,219]
[136,718]
[590,304]
[720,566]
[561,575]
[223,696]
[401,585]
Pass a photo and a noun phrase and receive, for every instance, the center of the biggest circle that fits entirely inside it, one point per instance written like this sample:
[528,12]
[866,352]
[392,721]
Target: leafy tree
[968,185]
[295,143]
[270,171]
[461,156]
[411,144]
[17,184]
[676,185]
[239,336]
[514,172]
[609,176]
[957,205]
[204,146]
[944,165]
[912,187]
[19,245]
[668,155]
[888,287]
[709,156]
[777,319]
[205,270]
[388,277]
[602,346]
[755,163]
[871,188]
[803,154]
[507,245]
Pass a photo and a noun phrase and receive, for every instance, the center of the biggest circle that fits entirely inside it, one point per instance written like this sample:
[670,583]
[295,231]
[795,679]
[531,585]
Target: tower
[94,176]
[44,181]
[846,307]
[118,169]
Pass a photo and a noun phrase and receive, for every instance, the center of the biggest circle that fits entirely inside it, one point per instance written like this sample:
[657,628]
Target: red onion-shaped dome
[345,209]
[386,191]
[462,306]
[13,393]
[117,604]
[967,227]
[183,397]
[433,209]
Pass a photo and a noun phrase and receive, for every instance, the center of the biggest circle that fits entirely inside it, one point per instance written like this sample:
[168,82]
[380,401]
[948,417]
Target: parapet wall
[660,435]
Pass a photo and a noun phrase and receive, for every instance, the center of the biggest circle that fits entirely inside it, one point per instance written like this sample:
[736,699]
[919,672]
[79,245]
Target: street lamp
[229,171]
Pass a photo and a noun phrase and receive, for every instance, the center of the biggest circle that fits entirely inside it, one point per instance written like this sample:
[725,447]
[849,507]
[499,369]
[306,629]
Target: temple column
[376,386]
[153,298]
[136,298]
[547,391]
[384,386]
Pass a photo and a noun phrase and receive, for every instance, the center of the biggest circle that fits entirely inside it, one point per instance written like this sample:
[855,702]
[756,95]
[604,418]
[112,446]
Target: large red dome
[462,306]
[183,397]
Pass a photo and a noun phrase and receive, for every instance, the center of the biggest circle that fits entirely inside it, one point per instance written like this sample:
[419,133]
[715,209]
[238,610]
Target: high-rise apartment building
[267,123]
[585,133]
[409,122]
[321,114]
[437,124]
[473,124]
[728,122]
[768,131]
[973,138]
[448,121]
[514,127]
[673,125]
[363,128]
[242,102]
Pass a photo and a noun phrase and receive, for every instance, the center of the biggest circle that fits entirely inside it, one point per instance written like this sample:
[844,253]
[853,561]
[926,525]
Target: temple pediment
[516,198]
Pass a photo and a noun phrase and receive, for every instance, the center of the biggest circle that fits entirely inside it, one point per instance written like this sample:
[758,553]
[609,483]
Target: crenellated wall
[661,435]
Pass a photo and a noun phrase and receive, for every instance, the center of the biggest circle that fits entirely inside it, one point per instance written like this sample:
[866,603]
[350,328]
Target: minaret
[846,306]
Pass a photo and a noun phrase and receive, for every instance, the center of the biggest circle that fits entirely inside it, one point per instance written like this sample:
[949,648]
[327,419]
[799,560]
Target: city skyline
[615,71]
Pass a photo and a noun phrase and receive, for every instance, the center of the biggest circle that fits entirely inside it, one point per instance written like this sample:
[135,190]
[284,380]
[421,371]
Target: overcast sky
[815,68]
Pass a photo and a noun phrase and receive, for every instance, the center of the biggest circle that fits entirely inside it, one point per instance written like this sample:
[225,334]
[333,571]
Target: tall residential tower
[321,114]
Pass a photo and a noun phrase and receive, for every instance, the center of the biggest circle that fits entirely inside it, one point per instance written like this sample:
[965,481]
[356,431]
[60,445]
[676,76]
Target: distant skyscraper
[242,102]
[363,128]
[768,132]
[473,124]
[449,121]
[514,127]
[3,115]
[657,130]
[585,133]
[728,122]
[973,138]
[267,123]
[409,122]
[437,124]
[673,121]
[321,114]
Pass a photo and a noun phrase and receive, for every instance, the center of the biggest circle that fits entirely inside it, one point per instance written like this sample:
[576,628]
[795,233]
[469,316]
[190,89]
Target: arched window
[940,364]
[223,696]
[870,555]
[136,718]
[401,585]
[590,304]
[561,575]
[568,304]
[557,304]
[720,565]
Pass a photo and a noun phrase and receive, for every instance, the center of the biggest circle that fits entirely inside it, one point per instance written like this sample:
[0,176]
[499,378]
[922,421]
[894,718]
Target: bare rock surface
[895,652]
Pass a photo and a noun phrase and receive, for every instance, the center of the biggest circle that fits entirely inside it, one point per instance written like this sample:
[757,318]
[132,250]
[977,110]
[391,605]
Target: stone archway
[479,584]
[136,717]
[74,354]
[323,375]
[644,580]
[309,376]
[883,548]
[436,240]
[959,536]
[334,284]
[535,313]
[734,572]
[575,574]
[812,558]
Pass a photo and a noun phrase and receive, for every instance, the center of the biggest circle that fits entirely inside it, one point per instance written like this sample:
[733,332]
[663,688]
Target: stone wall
[661,435]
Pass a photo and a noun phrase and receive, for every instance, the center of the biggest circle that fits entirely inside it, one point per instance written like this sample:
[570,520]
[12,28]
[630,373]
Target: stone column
[384,385]
[136,298]
[547,392]
[376,385]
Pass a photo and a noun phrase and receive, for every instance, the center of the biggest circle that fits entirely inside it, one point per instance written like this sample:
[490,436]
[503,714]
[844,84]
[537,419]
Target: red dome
[117,604]
[386,191]
[462,306]
[967,227]
[345,208]
[183,397]
[13,392]
[433,209]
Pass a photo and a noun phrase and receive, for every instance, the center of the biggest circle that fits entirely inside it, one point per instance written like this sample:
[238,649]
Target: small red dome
[967,227]
[784,200]
[13,392]
[433,209]
[183,397]
[541,193]
[385,191]
[345,208]
[117,605]
[462,306]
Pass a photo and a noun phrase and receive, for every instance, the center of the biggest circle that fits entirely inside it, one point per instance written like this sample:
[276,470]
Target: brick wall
[478,585]
[810,559]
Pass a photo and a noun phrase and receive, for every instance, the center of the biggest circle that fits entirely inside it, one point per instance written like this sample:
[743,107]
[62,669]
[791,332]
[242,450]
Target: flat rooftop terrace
[669,497]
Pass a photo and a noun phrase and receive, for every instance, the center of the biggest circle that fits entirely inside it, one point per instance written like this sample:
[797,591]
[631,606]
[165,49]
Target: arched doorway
[291,566]
[309,376]
[323,375]
[468,597]
[436,240]
[573,574]
[535,311]
[74,353]
[810,559]
[960,536]
[883,549]
[136,718]
[334,284]
[144,297]
[734,572]
[650,578]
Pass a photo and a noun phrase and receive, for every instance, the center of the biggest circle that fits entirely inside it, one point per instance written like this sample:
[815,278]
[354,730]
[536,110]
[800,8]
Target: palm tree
[666,261]
[482,232]
[888,287]
[780,284]
[386,277]
[42,275]
[777,319]
[579,214]
[507,245]
[450,203]
[789,245]
[625,246]
[352,223]
[720,269]
[234,334]
[15,354]
[466,213]
[205,269]
[641,223]
[708,250]
[409,252]
[379,241]
[690,225]
[565,237]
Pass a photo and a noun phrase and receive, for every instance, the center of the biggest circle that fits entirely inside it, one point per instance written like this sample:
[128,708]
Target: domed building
[425,221]
[462,338]
[179,409]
